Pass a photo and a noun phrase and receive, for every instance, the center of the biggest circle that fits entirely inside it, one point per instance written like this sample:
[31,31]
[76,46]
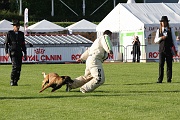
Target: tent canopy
[139,16]
[82,26]
[5,26]
[45,26]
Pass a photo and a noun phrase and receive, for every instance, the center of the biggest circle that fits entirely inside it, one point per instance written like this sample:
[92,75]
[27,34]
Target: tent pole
[114,3]
[84,7]
[52,5]
[20,7]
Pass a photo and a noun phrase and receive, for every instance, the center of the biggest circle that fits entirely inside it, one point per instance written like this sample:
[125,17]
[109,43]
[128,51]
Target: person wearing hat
[14,46]
[165,37]
[94,72]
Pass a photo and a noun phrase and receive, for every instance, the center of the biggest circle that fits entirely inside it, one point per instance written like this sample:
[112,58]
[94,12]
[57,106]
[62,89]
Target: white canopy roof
[5,26]
[82,26]
[139,16]
[45,26]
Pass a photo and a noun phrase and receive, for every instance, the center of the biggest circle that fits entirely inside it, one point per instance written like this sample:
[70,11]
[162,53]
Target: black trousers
[162,58]
[136,53]
[16,67]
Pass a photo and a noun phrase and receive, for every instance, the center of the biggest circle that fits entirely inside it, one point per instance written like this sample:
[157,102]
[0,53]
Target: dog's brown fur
[54,80]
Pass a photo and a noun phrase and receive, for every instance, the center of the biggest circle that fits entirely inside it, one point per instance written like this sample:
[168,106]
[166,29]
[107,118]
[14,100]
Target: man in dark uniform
[166,38]
[14,45]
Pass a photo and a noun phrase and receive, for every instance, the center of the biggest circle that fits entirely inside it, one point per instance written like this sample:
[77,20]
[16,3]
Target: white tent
[45,26]
[5,26]
[140,19]
[139,16]
[82,26]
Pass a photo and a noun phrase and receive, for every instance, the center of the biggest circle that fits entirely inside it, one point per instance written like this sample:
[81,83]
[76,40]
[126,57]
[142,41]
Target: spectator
[136,49]
[166,38]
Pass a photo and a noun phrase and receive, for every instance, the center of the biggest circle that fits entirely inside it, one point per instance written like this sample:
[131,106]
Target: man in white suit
[94,72]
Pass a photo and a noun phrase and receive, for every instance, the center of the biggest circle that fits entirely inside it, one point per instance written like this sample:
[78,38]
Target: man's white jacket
[99,49]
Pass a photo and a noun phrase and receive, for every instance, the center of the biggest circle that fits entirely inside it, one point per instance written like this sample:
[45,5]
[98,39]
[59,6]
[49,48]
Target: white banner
[49,54]
[70,54]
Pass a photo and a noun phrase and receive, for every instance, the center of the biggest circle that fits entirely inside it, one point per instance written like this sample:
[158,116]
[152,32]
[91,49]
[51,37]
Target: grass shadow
[150,83]
[94,94]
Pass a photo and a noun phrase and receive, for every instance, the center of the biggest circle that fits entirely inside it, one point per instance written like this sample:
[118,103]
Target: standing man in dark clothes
[14,46]
[165,37]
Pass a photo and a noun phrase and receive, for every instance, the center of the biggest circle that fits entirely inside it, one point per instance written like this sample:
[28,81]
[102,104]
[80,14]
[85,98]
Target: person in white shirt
[94,72]
[165,37]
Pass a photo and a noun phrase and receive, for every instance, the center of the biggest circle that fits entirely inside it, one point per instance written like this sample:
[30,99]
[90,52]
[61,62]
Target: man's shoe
[159,81]
[12,83]
[15,84]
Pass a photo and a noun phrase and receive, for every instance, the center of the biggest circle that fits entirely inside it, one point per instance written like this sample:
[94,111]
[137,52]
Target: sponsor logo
[153,54]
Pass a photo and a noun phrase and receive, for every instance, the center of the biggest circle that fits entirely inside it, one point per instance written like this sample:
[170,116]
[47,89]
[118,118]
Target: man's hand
[163,37]
[79,60]
[111,53]
[25,57]
[176,53]
[7,55]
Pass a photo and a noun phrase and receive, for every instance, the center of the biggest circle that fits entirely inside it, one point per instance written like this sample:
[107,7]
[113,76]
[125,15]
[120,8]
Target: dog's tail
[44,74]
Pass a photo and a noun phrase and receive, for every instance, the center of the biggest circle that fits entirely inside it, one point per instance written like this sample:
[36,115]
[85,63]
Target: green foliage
[41,9]
[9,15]
[129,93]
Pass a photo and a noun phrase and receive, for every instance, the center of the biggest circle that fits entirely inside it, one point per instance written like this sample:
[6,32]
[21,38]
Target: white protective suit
[94,73]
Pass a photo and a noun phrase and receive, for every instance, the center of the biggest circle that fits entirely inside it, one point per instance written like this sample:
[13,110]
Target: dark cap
[164,18]
[107,32]
[16,22]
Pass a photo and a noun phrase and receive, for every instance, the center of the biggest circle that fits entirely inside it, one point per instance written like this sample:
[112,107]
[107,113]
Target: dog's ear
[63,77]
[68,79]
[44,74]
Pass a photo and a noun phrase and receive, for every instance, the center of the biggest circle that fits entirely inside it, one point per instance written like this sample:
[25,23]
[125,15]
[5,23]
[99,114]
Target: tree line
[64,10]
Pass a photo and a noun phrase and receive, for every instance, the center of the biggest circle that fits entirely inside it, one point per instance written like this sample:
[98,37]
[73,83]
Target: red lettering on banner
[51,57]
[153,54]
[39,51]
[32,58]
[4,58]
[75,57]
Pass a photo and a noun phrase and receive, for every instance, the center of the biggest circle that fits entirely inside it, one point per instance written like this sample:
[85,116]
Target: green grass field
[129,93]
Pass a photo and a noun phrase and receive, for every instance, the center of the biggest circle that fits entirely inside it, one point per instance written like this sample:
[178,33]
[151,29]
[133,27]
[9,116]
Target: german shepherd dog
[55,81]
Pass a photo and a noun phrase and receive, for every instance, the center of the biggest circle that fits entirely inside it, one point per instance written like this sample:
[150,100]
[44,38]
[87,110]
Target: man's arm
[157,38]
[107,44]
[84,56]
[174,39]
[7,43]
[23,44]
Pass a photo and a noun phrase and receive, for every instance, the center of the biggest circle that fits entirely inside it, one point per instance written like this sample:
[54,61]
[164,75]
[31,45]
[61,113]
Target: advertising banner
[50,54]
